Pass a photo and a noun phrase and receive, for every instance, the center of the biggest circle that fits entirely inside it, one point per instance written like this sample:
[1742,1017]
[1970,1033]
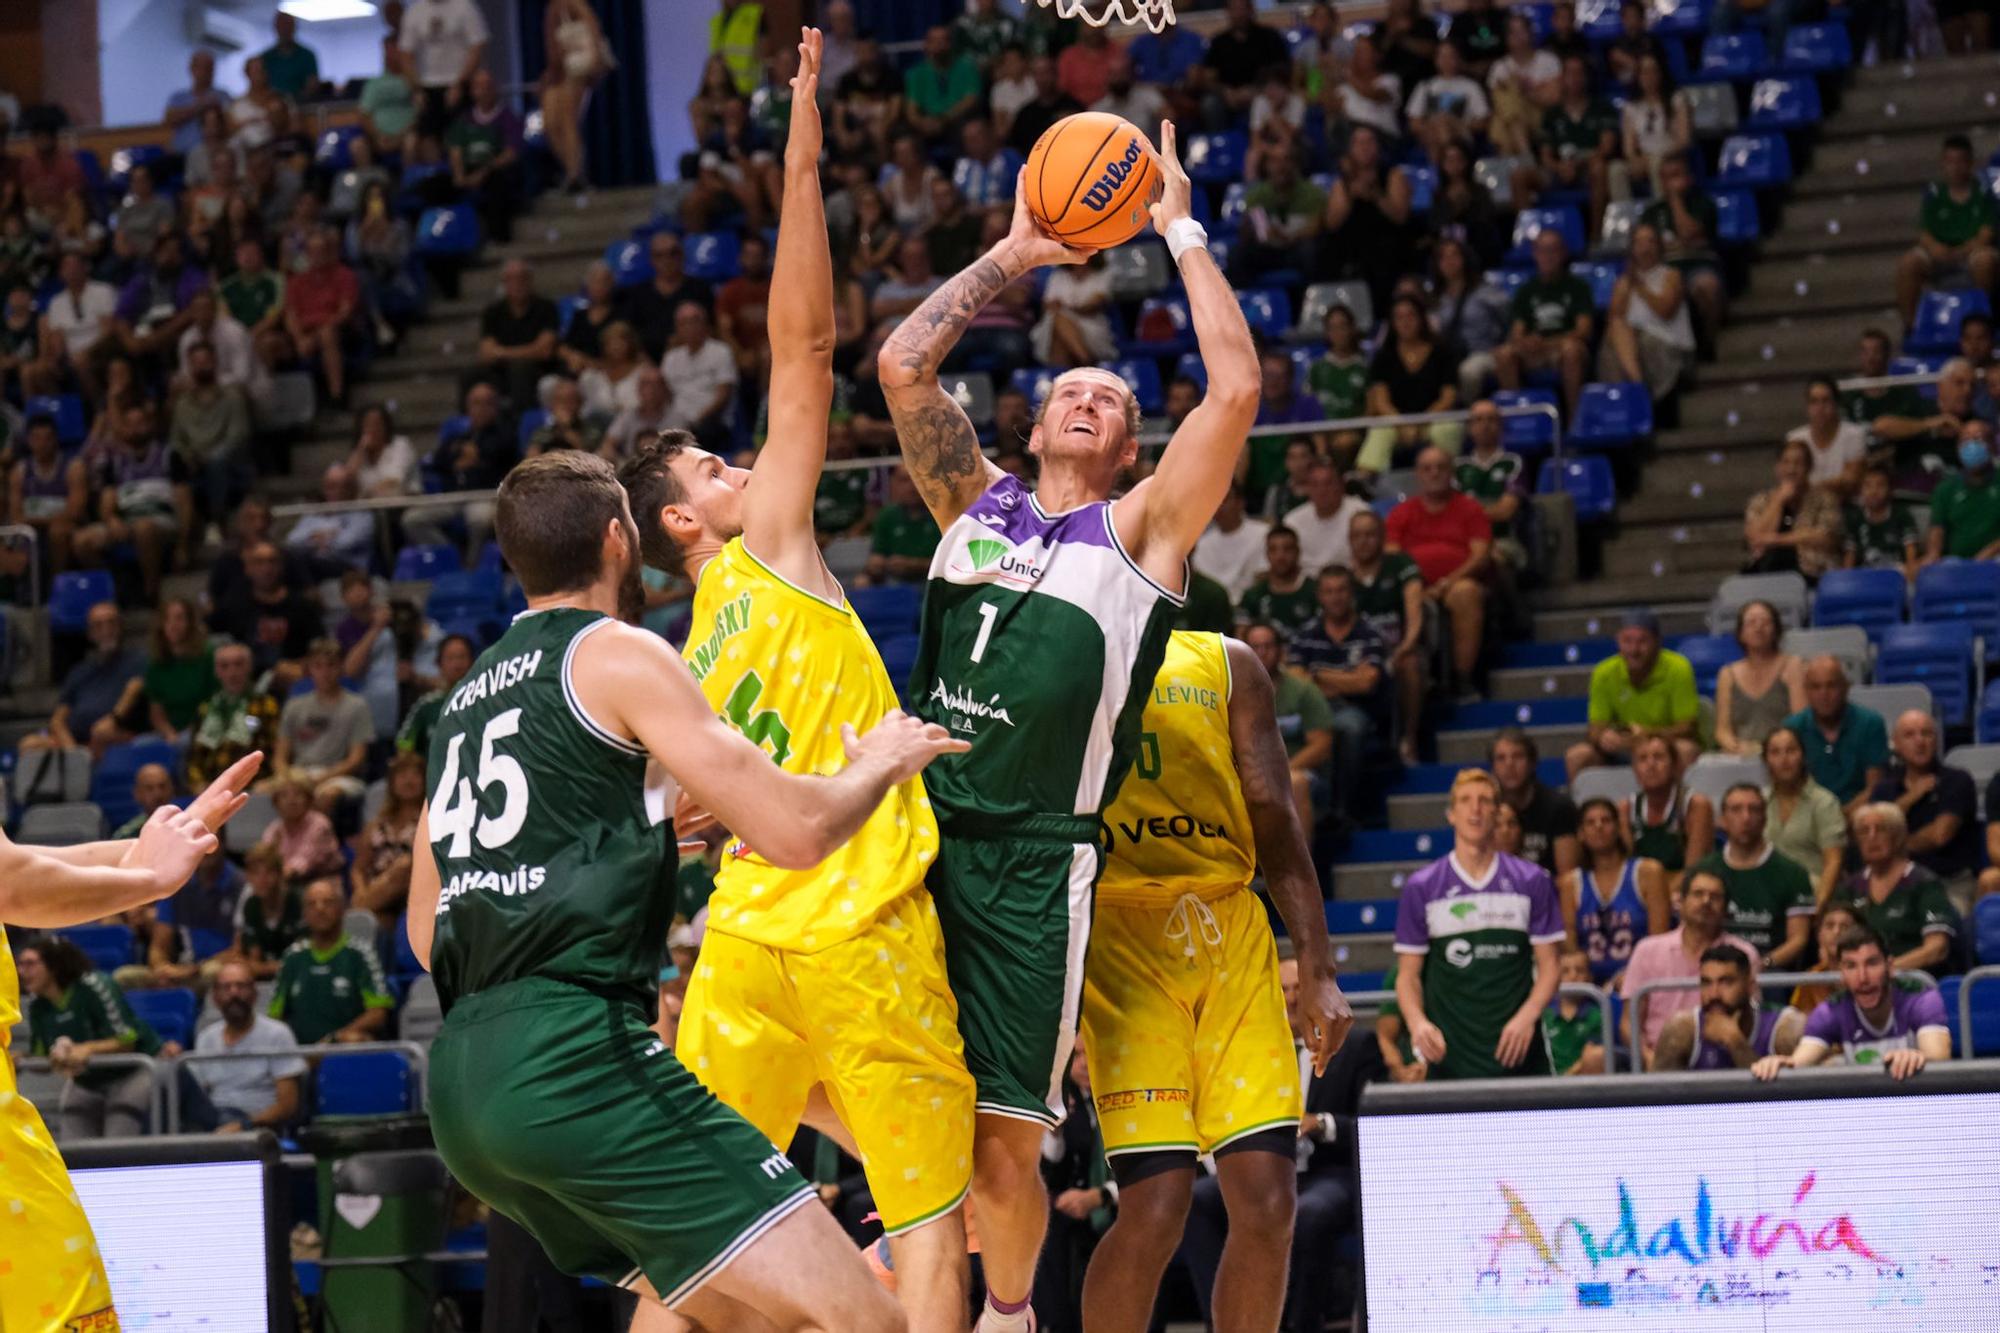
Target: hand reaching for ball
[1176,193]
[1031,246]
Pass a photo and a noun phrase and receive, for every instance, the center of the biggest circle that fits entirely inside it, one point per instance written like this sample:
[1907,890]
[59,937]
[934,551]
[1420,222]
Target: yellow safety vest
[734,35]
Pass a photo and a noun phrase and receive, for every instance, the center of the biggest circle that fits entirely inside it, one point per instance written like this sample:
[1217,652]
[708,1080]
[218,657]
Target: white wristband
[1183,235]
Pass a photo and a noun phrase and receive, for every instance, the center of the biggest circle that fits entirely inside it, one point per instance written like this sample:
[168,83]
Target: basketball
[1090,179]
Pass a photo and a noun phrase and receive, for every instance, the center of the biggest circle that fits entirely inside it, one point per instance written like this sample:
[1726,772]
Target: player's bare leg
[1123,1280]
[1013,1204]
[1260,1192]
[798,1276]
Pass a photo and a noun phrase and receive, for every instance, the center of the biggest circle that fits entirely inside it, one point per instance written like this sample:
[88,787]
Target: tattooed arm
[939,445]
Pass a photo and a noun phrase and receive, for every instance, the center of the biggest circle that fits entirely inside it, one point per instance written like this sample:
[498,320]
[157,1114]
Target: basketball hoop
[1155,14]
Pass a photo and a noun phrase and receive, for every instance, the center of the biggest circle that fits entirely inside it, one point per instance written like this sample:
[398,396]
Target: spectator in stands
[1369,96]
[1965,508]
[1553,315]
[1573,1028]
[1448,107]
[1470,315]
[567,425]
[445,41]
[1525,83]
[77,318]
[1049,105]
[279,621]
[1284,598]
[236,719]
[211,432]
[191,929]
[1755,694]
[1338,377]
[1836,916]
[1615,896]
[1900,409]
[1881,533]
[1348,660]
[324,734]
[1898,896]
[1075,327]
[1495,476]
[98,703]
[1321,525]
[143,499]
[228,574]
[1547,816]
[1939,803]
[649,415]
[331,543]
[957,235]
[152,787]
[74,1014]
[981,33]
[1013,87]
[1839,447]
[320,308]
[185,106]
[1794,527]
[1281,220]
[1805,820]
[236,364]
[254,295]
[330,990]
[472,459]
[455,655]
[1640,690]
[1448,536]
[1656,123]
[27,364]
[941,89]
[1872,1018]
[46,492]
[292,68]
[1770,895]
[484,145]
[517,336]
[1141,104]
[1665,819]
[1365,233]
[701,375]
[582,345]
[1280,402]
[651,307]
[1648,335]
[153,307]
[985,173]
[1701,902]
[382,850]
[1285,494]
[48,174]
[238,1096]
[1083,69]
[1413,372]
[1389,590]
[905,535]
[1730,1029]
[742,305]
[1685,217]
[302,835]
[1231,551]
[1479,35]
[383,462]
[268,919]
[1304,721]
[255,117]
[142,218]
[181,671]
[1238,56]
[1846,744]
[1954,231]
[388,101]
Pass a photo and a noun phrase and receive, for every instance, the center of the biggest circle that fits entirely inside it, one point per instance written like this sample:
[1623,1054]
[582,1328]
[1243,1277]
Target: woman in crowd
[1075,328]
[1613,899]
[383,462]
[876,236]
[382,852]
[1755,694]
[1794,526]
[612,385]
[303,836]
[1364,232]
[1665,822]
[1803,820]
[378,242]
[1655,124]
[578,57]
[253,116]
[718,90]
[1508,835]
[1524,82]
[906,183]
[1412,372]
[1649,336]
[1468,314]
[75,1014]
[180,674]
[1462,207]
[582,344]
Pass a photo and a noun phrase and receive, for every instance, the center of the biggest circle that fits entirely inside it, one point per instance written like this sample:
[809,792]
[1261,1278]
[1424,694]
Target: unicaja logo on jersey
[1458,953]
[1099,196]
[984,551]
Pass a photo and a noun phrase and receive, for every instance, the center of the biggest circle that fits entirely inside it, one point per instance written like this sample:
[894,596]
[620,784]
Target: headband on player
[1155,14]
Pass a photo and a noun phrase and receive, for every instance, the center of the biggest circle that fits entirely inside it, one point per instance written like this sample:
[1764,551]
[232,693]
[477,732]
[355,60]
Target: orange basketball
[1090,178]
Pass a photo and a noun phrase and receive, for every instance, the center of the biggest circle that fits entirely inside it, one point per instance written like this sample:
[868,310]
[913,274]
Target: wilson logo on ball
[1105,189]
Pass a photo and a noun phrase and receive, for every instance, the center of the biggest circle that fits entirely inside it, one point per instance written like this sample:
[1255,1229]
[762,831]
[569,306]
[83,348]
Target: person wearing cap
[1965,508]
[1640,690]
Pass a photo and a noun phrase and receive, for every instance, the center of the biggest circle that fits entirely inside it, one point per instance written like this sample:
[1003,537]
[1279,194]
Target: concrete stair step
[1469,747]
[1937,104]
[1643,552]
[1528,684]
[1602,622]
[1364,953]
[1629,590]
[1762,402]
[1852,241]
[1364,881]
[1656,504]
[1417,812]
[1790,344]
[1827,277]
[1752,434]
[1907,73]
[1884,160]
[1810,216]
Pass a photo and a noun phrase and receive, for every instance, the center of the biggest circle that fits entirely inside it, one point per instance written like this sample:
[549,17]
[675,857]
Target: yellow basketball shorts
[1184,1023]
[873,1021]
[51,1275]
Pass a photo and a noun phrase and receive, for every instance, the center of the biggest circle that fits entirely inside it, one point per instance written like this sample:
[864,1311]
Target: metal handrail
[419,1066]
[1990,972]
[1637,1004]
[1854,382]
[39,1064]
[1375,999]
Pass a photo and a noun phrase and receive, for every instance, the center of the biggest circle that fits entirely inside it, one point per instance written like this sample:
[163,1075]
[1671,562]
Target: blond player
[51,1275]
[1183,1015]
[830,981]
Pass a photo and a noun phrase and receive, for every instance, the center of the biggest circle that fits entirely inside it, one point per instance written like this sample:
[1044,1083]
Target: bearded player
[1190,1048]
[51,1275]
[1045,616]
[827,981]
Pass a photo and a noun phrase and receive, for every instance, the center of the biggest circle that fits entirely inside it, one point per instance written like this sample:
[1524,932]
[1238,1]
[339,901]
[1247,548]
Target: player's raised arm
[47,892]
[1166,515]
[778,504]
[1282,853]
[940,448]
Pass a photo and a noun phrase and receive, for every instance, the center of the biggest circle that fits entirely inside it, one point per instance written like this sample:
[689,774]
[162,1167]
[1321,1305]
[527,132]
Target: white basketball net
[1155,14]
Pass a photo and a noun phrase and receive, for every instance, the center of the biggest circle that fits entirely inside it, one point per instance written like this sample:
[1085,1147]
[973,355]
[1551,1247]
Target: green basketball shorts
[1016,916]
[560,1108]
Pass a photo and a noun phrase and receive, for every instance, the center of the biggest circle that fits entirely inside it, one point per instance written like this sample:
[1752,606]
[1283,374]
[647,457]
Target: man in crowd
[277,620]
[185,105]
[1232,550]
[1872,1019]
[1389,591]
[230,723]
[1702,902]
[566,426]
[904,537]
[1847,747]
[474,459]
[445,41]
[1345,657]
[1940,804]
[334,543]
[78,317]
[1730,1030]
[1686,219]
[985,172]
[1954,231]
[1448,536]
[1553,315]
[236,1096]
[1547,815]
[1281,219]
[650,307]
[1577,146]
[190,928]
[1641,689]
[1050,104]
[1322,523]
[1901,901]
[743,306]
[942,88]
[329,989]
[701,376]
[292,69]
[1494,475]
[1284,597]
[211,432]
[1771,898]
[1867,407]
[1965,507]
[1305,721]
[638,424]
[517,336]
[1239,56]
[104,681]
[454,658]
[320,306]
[324,734]
[144,499]
[152,787]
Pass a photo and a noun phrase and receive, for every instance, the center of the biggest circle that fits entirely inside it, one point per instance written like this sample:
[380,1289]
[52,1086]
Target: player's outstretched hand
[222,798]
[900,742]
[1427,1041]
[1029,243]
[1176,199]
[804,136]
[171,845]
[1327,1017]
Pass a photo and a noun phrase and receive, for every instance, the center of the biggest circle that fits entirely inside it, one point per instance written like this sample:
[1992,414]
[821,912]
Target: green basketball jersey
[1040,639]
[553,847]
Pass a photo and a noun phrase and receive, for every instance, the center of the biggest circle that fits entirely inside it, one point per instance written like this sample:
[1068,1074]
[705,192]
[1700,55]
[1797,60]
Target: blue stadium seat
[1736,218]
[1870,598]
[1587,479]
[1597,20]
[712,256]
[1163,328]
[1754,162]
[72,595]
[1532,222]
[531,421]
[108,947]
[1939,314]
[1611,416]
[1984,1038]
[448,233]
[1508,280]
[1937,655]
[1361,918]
[1786,103]
[1230,216]
[67,409]
[1190,366]
[170,1013]
[1708,654]
[1602,275]
[888,609]
[1526,434]
[367,1083]
[631,262]
[472,594]
[1960,590]
[1732,57]
[1423,180]
[1215,159]
[1679,18]
[490,559]
[414,563]
[1142,374]
[1033,383]
[148,155]
[1930,363]
[111,778]
[1986,930]
[335,150]
[1816,48]
[1268,310]
[566,308]
[899,656]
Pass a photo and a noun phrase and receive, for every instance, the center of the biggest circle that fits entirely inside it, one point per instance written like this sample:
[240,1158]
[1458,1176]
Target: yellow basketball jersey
[10,991]
[1179,824]
[787,668]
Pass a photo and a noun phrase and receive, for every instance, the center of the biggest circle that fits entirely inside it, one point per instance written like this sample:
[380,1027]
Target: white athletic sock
[993,1321]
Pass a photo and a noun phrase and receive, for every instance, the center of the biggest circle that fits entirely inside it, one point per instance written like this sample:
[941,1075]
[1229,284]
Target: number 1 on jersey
[987,612]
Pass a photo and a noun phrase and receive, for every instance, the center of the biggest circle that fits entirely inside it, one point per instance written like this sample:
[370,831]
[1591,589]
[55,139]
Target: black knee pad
[1277,1139]
[1129,1168]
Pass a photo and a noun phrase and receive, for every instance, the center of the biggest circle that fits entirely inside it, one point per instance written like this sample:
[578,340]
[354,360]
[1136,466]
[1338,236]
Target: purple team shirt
[1839,1022]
